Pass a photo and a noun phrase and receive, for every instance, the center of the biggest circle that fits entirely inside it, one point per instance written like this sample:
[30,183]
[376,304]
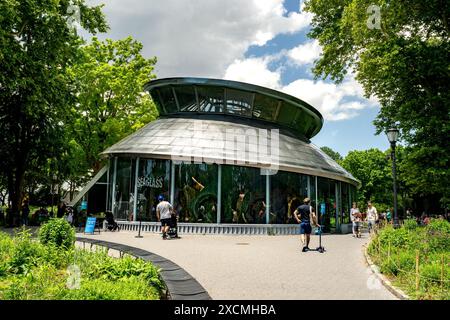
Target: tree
[331,153]
[373,169]
[38,46]
[111,103]
[404,62]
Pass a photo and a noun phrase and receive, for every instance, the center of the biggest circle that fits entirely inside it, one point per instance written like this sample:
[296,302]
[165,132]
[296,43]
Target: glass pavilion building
[230,156]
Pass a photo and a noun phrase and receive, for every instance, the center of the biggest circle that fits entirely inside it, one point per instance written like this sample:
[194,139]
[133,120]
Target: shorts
[305,228]
[166,222]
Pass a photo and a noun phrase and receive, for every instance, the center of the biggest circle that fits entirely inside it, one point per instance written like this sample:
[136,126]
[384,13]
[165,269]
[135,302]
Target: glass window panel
[326,194]
[287,114]
[210,99]
[196,192]
[239,102]
[186,98]
[153,180]
[288,190]
[243,195]
[123,206]
[168,99]
[155,94]
[265,107]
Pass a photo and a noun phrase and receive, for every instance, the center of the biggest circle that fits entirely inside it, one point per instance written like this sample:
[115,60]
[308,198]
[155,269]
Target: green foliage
[57,232]
[410,224]
[395,250]
[32,270]
[373,170]
[37,47]
[404,64]
[112,108]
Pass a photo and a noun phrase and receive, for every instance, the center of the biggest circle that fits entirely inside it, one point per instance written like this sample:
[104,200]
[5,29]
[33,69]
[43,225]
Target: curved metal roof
[208,139]
[236,99]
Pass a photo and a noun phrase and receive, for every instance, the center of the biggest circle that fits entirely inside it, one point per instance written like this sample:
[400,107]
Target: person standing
[371,217]
[164,214]
[25,213]
[354,211]
[388,216]
[304,215]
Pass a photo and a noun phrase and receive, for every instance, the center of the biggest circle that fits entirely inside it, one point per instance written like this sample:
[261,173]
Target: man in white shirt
[164,213]
[372,216]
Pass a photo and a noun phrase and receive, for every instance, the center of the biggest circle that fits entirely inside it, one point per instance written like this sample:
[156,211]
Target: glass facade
[214,99]
[243,195]
[246,195]
[195,197]
[123,198]
[152,180]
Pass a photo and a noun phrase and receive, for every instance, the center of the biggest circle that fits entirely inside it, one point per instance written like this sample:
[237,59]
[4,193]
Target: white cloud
[255,71]
[334,101]
[306,53]
[199,37]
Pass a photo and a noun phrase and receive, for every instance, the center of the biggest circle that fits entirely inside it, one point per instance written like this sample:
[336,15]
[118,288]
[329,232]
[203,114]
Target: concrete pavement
[266,267]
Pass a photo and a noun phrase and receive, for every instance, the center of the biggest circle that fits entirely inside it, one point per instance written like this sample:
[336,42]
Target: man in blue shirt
[304,214]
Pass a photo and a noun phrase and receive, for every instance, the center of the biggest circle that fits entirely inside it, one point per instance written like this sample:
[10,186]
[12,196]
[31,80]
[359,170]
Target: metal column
[172,183]
[113,196]
[317,204]
[267,198]
[135,189]
[219,194]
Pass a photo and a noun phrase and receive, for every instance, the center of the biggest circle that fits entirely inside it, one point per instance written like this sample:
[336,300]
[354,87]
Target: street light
[392,135]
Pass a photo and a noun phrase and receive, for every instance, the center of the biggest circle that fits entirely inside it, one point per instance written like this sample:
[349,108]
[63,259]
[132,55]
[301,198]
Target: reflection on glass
[239,102]
[168,98]
[210,99]
[124,197]
[196,192]
[326,194]
[243,195]
[186,98]
[153,180]
[288,190]
[265,107]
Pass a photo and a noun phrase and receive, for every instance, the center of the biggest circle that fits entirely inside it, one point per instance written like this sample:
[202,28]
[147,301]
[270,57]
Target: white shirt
[164,209]
[372,214]
[353,212]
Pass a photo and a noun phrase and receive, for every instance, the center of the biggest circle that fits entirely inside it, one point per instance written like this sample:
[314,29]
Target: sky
[263,42]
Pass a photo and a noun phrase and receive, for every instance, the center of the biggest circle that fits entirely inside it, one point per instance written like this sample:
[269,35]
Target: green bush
[32,270]
[396,237]
[57,232]
[410,224]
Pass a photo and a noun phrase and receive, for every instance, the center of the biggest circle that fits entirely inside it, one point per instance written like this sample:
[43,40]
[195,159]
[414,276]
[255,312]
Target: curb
[180,284]
[386,283]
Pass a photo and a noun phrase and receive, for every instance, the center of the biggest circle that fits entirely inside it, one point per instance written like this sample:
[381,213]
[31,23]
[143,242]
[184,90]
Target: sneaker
[305,249]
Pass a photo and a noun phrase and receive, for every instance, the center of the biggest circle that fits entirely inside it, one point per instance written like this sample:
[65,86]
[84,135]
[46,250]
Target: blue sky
[257,41]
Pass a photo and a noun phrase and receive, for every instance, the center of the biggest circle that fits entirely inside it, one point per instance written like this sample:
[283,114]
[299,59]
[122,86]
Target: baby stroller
[111,225]
[173,228]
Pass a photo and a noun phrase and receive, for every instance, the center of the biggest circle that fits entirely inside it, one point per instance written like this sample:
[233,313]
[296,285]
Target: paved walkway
[266,267]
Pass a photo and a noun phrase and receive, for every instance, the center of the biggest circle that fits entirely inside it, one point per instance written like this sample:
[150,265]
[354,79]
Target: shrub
[396,237]
[57,232]
[410,224]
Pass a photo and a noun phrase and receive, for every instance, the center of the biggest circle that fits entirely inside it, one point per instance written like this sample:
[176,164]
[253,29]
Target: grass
[398,252]
[30,270]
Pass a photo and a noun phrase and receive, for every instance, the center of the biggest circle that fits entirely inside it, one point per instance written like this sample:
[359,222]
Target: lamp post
[392,135]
